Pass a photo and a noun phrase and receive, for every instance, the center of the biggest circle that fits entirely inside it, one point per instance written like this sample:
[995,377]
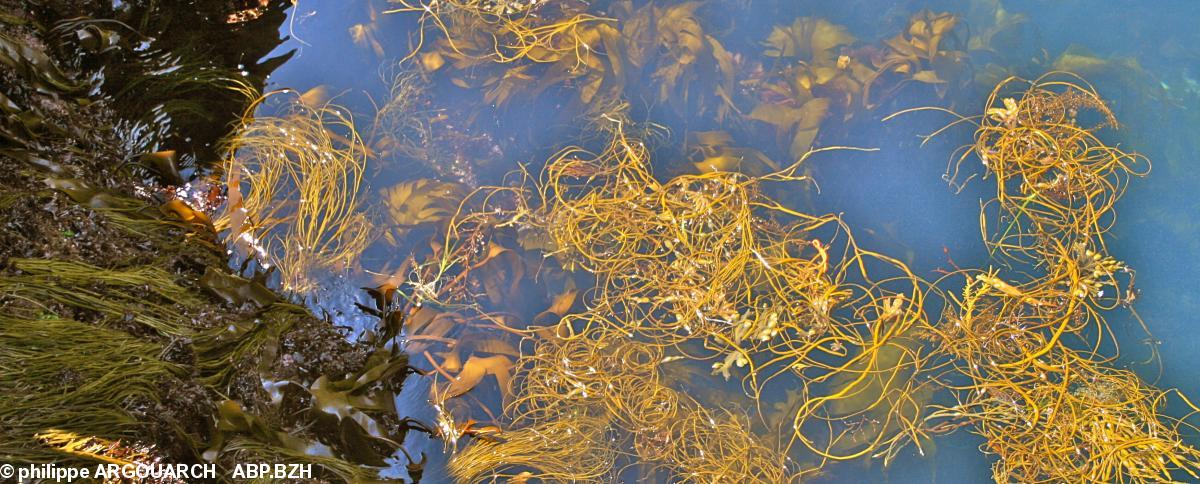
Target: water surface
[895,198]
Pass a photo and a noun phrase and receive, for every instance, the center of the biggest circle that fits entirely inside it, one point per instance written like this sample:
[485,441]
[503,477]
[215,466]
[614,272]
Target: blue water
[894,198]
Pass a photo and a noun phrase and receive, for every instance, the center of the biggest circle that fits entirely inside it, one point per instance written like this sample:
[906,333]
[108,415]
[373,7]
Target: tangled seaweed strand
[1065,416]
[718,448]
[703,258]
[587,398]
[294,183]
[1077,421]
[1056,183]
[701,267]
[1066,180]
[516,31]
[1055,179]
[1041,388]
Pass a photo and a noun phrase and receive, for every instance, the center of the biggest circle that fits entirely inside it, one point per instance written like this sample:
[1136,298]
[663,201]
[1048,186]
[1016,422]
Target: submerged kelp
[672,57]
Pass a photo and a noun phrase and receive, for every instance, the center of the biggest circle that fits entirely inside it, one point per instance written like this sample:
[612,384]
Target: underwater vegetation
[638,276]
[702,268]
[707,268]
[649,303]
[293,185]
[807,71]
[671,273]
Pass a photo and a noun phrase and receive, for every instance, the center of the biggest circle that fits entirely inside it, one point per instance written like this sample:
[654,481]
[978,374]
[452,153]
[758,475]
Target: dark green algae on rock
[124,335]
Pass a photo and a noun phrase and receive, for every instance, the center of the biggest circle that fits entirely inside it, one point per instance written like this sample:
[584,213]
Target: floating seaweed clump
[1082,424]
[1040,384]
[706,268]
[588,398]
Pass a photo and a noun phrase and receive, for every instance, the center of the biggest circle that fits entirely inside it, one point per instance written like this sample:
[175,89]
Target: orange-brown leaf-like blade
[478,367]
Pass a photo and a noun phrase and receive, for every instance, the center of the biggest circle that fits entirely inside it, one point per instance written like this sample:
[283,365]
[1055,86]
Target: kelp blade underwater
[597,241]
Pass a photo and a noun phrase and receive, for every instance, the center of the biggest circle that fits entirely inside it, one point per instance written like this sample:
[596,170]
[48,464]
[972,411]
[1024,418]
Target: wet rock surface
[107,221]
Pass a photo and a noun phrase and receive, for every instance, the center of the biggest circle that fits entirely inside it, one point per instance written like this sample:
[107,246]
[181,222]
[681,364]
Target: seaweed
[294,186]
[1041,387]
[104,291]
[60,375]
